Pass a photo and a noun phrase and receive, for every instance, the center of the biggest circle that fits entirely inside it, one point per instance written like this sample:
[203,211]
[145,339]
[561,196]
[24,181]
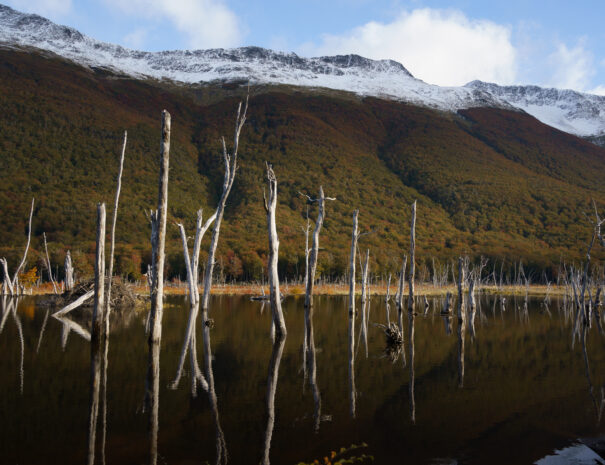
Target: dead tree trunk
[230,169]
[69,272]
[15,283]
[354,238]
[364,278]
[48,266]
[461,311]
[158,239]
[310,278]
[97,333]
[158,245]
[274,293]
[412,258]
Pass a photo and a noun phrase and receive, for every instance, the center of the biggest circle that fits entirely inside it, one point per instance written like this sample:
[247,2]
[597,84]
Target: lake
[514,389]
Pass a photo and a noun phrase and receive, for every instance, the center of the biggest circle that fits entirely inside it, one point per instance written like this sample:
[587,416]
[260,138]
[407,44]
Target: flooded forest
[462,362]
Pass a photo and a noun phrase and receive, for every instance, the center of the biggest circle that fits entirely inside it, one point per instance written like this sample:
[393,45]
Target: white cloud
[438,46]
[49,8]
[599,90]
[205,23]
[572,68]
[136,39]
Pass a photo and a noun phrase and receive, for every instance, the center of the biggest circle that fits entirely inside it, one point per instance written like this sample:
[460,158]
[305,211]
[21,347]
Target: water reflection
[276,354]
[411,338]
[352,393]
[310,361]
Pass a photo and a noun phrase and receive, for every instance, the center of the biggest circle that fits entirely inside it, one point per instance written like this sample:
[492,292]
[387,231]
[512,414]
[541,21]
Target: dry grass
[330,289]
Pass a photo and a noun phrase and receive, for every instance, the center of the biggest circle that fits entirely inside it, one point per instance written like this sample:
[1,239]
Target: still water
[513,389]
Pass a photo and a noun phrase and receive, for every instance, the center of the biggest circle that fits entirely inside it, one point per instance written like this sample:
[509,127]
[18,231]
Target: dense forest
[489,182]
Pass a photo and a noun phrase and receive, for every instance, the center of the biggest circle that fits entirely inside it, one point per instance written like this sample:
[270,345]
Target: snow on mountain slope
[385,78]
[567,110]
[573,112]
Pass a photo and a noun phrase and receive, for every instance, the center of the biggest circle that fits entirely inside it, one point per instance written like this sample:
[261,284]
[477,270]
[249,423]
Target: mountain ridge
[570,111]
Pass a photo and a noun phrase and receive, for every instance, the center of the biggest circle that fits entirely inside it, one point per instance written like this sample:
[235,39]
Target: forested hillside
[489,182]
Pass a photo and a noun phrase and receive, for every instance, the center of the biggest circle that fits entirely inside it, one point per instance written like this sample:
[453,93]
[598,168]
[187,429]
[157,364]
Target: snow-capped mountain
[574,112]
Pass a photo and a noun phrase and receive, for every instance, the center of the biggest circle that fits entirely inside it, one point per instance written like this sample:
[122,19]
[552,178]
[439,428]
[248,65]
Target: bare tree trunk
[230,169]
[354,238]
[158,244]
[364,277]
[461,311]
[48,266]
[274,293]
[7,283]
[97,333]
[412,258]
[23,260]
[310,279]
[69,272]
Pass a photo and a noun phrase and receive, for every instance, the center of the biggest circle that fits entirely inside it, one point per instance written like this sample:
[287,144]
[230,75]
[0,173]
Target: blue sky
[549,43]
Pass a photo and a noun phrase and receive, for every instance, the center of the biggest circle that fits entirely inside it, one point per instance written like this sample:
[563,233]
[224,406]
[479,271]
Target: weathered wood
[7,284]
[312,266]
[96,333]
[158,244]
[364,277]
[158,220]
[354,239]
[412,258]
[387,299]
[69,272]
[24,259]
[75,304]
[48,266]
[460,288]
[274,292]
[107,314]
[401,287]
[230,169]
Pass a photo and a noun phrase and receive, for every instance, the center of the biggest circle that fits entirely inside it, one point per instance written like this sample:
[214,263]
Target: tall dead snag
[12,286]
[230,169]
[108,294]
[354,239]
[69,272]
[158,236]
[274,294]
[24,259]
[312,265]
[400,290]
[48,266]
[364,300]
[412,257]
[158,245]
[96,333]
[461,312]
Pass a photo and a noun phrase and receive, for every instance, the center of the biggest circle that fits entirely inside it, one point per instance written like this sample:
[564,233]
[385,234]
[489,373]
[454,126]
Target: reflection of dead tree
[192,266]
[411,367]
[598,406]
[276,354]
[352,391]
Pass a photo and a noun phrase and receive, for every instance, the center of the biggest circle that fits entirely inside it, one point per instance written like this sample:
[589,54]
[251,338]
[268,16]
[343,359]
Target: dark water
[510,391]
